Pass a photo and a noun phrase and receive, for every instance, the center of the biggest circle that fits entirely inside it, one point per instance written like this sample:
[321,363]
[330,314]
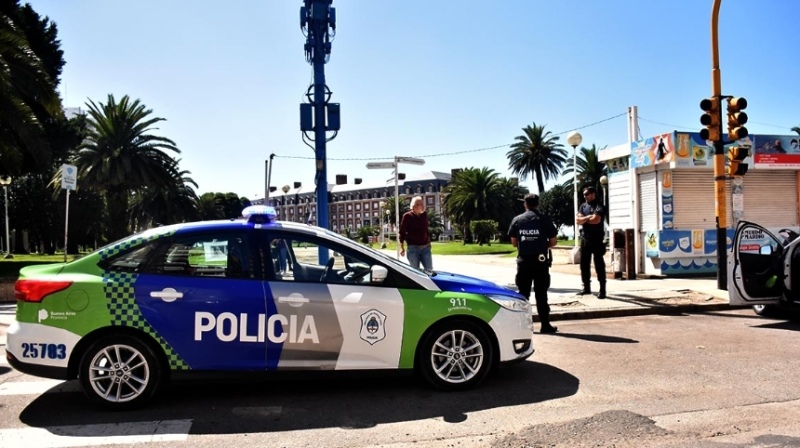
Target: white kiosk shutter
[693,200]
[619,201]
[770,197]
[648,202]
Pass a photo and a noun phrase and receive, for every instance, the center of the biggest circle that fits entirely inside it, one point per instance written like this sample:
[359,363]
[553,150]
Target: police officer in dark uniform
[533,234]
[591,216]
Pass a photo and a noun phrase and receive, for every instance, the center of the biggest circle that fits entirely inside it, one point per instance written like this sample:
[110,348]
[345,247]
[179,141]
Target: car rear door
[204,296]
[756,266]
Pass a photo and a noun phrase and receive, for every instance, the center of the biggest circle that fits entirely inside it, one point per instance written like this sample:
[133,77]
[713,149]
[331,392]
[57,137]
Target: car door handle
[293,300]
[167,294]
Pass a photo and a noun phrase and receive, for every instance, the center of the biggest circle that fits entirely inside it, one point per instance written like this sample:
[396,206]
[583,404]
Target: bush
[483,231]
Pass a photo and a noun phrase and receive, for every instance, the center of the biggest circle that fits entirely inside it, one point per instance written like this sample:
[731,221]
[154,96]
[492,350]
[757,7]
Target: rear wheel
[456,355]
[120,372]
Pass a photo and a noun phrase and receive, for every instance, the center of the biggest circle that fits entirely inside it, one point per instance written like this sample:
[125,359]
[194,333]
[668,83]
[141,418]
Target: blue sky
[437,79]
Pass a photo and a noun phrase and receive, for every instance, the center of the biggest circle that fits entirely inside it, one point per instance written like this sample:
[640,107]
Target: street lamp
[5,181]
[574,139]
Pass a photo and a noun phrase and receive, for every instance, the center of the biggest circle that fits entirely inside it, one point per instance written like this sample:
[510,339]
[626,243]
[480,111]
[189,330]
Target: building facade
[355,205]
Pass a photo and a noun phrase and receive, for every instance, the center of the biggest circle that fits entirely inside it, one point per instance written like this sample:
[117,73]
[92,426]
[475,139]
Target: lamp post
[5,181]
[574,139]
[388,212]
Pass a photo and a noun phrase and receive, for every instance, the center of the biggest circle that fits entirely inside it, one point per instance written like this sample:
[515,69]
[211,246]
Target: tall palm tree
[120,156]
[25,87]
[537,153]
[405,206]
[209,208]
[472,194]
[796,129]
[590,169]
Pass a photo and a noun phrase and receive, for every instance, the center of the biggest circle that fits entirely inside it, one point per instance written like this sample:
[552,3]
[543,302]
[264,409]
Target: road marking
[92,435]
[38,387]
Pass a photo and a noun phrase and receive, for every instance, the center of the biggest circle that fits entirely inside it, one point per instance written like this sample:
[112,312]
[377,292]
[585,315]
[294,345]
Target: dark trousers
[593,248]
[538,274]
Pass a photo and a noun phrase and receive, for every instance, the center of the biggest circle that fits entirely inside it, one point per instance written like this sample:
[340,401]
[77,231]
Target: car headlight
[511,303]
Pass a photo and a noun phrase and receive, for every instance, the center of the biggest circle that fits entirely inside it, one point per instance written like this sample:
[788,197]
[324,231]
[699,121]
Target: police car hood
[447,281]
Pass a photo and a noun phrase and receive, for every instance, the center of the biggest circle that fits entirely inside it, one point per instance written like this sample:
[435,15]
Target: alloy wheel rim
[119,373]
[457,356]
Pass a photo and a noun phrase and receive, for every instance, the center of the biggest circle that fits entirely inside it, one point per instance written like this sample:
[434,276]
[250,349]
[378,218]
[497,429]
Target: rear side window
[132,261]
[206,255]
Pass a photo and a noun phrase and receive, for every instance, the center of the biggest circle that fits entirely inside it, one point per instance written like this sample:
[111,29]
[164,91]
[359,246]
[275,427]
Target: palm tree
[389,205]
[537,153]
[590,170]
[25,87]
[796,129]
[119,157]
[176,203]
[472,194]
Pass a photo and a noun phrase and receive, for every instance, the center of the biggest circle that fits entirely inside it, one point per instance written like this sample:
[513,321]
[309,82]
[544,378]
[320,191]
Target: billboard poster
[693,151]
[667,206]
[696,243]
[652,151]
[777,152]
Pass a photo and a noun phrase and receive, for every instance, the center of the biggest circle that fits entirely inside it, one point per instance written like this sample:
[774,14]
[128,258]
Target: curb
[664,310]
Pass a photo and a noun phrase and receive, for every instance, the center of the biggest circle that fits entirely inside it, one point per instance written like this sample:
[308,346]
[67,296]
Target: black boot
[586,291]
[548,329]
[602,294]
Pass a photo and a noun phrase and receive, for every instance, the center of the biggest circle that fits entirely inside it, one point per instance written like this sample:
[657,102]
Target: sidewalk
[625,297]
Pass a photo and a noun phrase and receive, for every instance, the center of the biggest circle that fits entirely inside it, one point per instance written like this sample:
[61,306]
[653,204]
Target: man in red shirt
[414,231]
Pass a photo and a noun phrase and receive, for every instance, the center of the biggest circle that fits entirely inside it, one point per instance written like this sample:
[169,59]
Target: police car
[764,268]
[254,294]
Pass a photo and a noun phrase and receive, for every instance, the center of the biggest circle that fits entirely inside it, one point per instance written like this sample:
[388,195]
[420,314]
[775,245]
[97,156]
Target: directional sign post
[69,180]
[396,164]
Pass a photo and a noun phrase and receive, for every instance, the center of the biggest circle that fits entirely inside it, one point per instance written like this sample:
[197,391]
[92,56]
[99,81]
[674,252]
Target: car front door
[756,268]
[204,297]
[334,314]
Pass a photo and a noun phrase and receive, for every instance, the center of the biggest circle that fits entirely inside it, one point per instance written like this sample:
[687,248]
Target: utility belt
[539,258]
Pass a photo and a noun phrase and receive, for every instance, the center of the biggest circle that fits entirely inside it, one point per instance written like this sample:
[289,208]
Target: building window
[358,206]
[430,200]
[349,207]
[430,188]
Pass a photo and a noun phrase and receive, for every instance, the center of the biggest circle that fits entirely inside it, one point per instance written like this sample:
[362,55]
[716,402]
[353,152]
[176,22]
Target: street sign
[69,177]
[409,160]
[380,165]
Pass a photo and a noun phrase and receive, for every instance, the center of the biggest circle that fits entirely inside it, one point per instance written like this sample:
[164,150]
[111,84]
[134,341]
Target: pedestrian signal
[736,156]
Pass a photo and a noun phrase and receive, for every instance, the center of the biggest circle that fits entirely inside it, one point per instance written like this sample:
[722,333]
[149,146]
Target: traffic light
[736,119]
[736,156]
[710,119]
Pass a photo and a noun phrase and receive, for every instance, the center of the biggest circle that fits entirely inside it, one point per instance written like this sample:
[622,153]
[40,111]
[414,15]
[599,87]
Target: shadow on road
[597,338]
[305,402]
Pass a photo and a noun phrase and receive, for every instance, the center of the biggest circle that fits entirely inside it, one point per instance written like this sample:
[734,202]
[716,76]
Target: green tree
[120,157]
[172,204]
[537,153]
[31,62]
[472,194]
[511,193]
[435,225]
[484,230]
[405,206]
[208,208]
[590,170]
[557,204]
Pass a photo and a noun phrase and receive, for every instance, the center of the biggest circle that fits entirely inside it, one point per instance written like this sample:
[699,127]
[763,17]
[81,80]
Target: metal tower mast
[318,22]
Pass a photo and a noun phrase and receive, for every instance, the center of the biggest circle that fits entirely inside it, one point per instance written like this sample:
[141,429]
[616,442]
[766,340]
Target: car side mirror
[378,274]
[765,250]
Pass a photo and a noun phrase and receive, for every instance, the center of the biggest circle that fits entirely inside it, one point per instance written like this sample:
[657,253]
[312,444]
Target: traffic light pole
[719,158]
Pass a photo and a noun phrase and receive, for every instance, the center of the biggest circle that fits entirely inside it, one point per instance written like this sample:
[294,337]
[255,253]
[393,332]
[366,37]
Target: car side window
[133,260]
[302,261]
[206,255]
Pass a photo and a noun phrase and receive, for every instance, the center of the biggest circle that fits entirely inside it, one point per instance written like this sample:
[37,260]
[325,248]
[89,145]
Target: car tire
[120,372]
[766,310]
[456,355]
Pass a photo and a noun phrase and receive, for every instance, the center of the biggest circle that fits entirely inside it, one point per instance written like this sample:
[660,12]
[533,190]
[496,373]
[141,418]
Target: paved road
[716,380]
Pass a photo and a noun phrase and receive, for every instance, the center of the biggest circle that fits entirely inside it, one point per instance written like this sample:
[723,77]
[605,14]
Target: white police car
[254,294]
[764,268]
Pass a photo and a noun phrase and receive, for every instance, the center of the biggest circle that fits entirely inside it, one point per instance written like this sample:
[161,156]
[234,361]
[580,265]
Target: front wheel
[766,310]
[456,355]
[120,372]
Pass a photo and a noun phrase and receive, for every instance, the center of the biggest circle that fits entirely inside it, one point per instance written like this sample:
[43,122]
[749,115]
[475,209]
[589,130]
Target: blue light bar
[260,214]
